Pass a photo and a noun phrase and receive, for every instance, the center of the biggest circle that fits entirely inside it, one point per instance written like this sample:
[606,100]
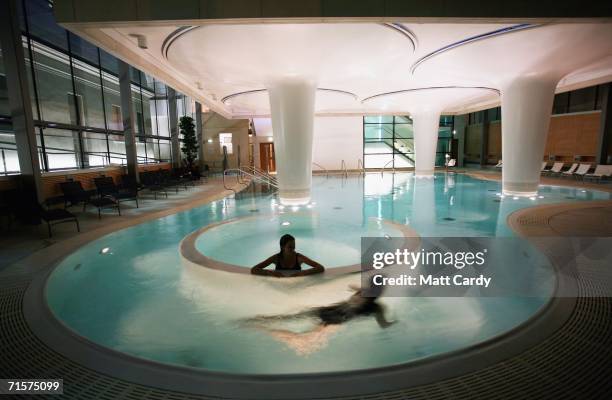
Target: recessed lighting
[210,140]
[270,139]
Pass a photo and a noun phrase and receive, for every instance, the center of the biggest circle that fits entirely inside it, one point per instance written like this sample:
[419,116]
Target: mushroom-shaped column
[286,63]
[425,124]
[526,62]
[292,108]
[526,108]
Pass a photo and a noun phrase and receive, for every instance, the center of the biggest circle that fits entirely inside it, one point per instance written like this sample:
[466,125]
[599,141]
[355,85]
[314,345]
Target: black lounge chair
[74,193]
[106,187]
[150,180]
[54,216]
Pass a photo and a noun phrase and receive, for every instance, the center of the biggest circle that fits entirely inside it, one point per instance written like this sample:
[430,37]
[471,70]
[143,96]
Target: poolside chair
[451,163]
[54,216]
[74,193]
[555,169]
[582,170]
[106,187]
[544,163]
[570,172]
[499,164]
[601,172]
[151,181]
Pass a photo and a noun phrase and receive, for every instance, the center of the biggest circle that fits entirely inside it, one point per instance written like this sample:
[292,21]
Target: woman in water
[325,321]
[287,262]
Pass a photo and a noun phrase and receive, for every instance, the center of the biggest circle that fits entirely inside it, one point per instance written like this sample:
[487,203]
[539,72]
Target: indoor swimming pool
[134,291]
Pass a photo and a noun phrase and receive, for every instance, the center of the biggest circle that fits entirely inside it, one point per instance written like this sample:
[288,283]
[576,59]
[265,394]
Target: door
[266,157]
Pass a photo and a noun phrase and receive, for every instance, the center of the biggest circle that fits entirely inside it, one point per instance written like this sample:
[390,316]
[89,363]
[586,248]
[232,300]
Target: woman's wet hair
[286,238]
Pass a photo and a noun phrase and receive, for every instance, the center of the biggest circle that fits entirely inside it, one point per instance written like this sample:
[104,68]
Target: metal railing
[263,175]
[344,169]
[322,167]
[360,166]
[240,173]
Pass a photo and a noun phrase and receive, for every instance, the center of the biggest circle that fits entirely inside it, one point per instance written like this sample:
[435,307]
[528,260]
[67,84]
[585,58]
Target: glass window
[41,22]
[148,110]
[9,162]
[225,140]
[87,83]
[165,150]
[94,149]
[137,104]
[378,132]
[152,149]
[116,144]
[54,83]
[112,102]
[404,130]
[4,104]
[560,103]
[141,151]
[84,50]
[109,63]
[378,119]
[160,122]
[62,148]
[582,100]
[403,120]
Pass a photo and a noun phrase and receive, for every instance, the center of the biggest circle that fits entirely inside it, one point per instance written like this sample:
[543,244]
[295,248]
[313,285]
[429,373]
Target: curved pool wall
[131,292]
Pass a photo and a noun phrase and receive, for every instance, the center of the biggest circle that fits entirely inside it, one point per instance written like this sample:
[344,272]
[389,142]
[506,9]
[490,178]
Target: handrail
[270,179]
[322,167]
[360,166]
[383,168]
[343,168]
[239,172]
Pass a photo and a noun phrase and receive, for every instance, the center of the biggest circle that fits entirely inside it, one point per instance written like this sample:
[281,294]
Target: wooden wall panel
[568,136]
[50,181]
[495,142]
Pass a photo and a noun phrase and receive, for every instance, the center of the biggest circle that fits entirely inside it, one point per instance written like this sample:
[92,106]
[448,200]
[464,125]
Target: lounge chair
[555,169]
[544,163]
[74,193]
[152,181]
[601,172]
[106,187]
[451,163]
[570,171]
[499,164]
[54,216]
[582,170]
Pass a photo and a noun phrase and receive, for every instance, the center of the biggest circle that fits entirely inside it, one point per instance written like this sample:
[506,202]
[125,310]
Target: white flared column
[425,126]
[526,105]
[292,109]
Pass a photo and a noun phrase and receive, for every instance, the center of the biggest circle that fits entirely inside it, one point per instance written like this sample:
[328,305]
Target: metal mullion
[76,103]
[35,87]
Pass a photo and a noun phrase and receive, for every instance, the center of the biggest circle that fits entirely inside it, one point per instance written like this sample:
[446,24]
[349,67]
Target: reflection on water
[143,299]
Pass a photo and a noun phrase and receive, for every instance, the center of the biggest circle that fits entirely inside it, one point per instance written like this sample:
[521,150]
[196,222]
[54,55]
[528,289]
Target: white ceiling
[353,61]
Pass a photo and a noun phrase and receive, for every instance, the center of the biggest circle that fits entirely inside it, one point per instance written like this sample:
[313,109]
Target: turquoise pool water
[138,296]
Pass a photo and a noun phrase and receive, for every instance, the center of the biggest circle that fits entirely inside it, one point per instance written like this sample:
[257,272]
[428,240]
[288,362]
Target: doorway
[266,157]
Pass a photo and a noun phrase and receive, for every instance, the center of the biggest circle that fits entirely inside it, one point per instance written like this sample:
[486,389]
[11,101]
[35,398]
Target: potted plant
[190,141]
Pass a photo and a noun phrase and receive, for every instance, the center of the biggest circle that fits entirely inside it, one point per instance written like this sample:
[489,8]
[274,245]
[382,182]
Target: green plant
[190,141]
